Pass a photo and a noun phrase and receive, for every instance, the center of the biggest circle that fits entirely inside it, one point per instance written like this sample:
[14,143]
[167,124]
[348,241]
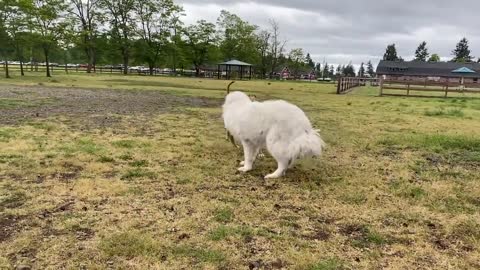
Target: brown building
[429,71]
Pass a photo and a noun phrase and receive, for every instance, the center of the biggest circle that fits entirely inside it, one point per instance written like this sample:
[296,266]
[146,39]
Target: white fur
[277,125]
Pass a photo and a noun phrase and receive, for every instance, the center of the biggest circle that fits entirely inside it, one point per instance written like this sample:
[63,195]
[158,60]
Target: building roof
[235,62]
[430,69]
[463,70]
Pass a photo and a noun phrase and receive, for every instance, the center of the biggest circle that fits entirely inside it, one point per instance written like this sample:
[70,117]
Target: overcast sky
[356,30]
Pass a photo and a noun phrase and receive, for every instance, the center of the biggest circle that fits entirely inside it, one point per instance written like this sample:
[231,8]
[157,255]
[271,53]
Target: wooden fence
[346,84]
[405,88]
[102,69]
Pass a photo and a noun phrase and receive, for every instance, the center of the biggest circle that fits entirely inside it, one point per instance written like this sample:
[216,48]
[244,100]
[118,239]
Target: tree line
[144,32]
[461,53]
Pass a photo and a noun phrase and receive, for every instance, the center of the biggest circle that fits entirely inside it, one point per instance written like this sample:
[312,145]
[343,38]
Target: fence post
[381,85]
[408,89]
[446,87]
[338,85]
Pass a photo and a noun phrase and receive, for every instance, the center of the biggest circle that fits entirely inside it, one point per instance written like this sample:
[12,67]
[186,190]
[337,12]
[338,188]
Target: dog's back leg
[278,148]
[281,169]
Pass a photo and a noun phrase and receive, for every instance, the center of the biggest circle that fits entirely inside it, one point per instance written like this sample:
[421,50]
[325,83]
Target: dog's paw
[244,169]
[272,176]
[242,163]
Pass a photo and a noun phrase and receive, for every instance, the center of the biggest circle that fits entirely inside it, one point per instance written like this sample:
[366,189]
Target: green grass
[201,254]
[223,215]
[130,244]
[222,232]
[138,173]
[455,112]
[327,264]
[435,142]
[13,199]
[7,134]
[128,144]
[396,186]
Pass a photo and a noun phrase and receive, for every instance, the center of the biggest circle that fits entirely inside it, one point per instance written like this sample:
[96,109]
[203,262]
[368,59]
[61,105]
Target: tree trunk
[150,67]
[197,72]
[21,67]
[47,63]
[91,59]
[125,63]
[7,74]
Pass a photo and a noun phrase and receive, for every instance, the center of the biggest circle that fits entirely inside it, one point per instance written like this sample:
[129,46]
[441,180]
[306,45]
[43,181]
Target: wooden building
[430,71]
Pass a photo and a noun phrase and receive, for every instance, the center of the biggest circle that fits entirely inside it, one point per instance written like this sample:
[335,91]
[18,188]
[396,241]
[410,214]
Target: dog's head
[236,97]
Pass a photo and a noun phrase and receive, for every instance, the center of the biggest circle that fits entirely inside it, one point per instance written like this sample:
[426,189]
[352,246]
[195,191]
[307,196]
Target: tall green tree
[237,38]
[176,40]
[277,46]
[361,71]
[331,71]
[318,69]
[17,28]
[263,46]
[326,70]
[120,15]
[309,62]
[370,70]
[157,18]
[7,8]
[199,40]
[48,21]
[421,54]
[297,60]
[348,71]
[434,58]
[87,17]
[462,52]
[391,53]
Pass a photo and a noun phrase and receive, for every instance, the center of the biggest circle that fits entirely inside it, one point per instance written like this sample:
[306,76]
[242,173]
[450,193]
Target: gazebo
[463,71]
[242,67]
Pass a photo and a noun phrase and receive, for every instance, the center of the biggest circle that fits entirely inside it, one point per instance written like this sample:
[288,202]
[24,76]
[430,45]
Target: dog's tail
[309,144]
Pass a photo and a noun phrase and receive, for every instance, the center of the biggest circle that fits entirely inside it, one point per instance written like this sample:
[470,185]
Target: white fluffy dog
[281,127]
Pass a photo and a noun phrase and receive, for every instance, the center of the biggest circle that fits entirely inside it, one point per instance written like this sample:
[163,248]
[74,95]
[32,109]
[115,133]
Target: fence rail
[405,88]
[102,69]
[346,84]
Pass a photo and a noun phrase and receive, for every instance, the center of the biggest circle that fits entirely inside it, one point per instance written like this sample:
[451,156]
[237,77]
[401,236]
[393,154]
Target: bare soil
[97,107]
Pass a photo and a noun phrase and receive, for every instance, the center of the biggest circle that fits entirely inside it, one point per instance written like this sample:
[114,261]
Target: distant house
[286,74]
[429,71]
[309,74]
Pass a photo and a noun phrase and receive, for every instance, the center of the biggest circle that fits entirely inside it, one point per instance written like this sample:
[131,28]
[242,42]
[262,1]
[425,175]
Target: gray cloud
[357,31]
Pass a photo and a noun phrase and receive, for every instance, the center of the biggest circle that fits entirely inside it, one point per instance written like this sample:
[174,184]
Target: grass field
[135,173]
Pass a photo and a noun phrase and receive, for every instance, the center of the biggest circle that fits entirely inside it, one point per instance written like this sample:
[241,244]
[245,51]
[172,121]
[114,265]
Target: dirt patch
[70,172]
[95,107]
[318,234]
[63,207]
[83,234]
[8,226]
